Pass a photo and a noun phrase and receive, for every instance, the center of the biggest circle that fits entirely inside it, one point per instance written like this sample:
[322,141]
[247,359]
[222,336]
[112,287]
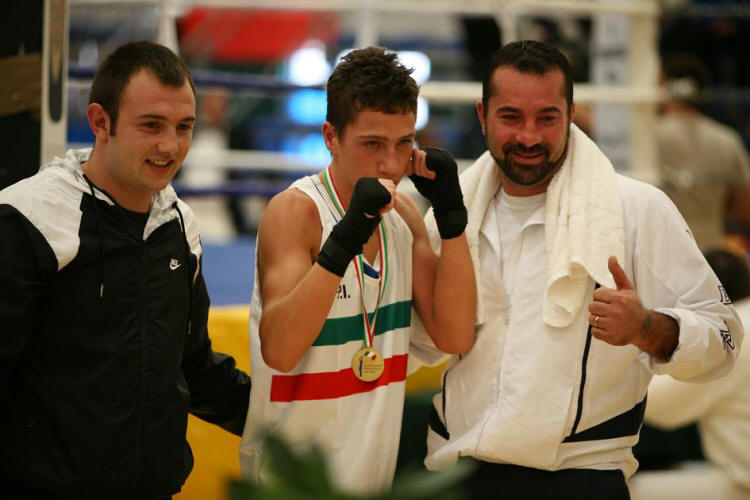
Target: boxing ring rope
[641,94]
[434,91]
[631,7]
[291,165]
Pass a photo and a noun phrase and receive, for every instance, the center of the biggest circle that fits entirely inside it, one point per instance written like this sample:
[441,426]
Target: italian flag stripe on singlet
[337,331]
[329,385]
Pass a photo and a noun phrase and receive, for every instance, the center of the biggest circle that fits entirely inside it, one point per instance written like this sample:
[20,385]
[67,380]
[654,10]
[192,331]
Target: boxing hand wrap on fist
[444,192]
[351,233]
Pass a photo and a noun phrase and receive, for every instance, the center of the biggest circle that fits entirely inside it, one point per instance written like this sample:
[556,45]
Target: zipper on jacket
[445,395]
[144,371]
[584,362]
[444,398]
[579,410]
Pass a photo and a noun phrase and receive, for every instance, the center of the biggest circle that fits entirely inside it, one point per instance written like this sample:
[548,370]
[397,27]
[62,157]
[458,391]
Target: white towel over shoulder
[583,223]
[584,226]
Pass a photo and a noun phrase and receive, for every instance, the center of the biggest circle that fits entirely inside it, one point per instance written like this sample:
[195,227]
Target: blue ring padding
[229,270]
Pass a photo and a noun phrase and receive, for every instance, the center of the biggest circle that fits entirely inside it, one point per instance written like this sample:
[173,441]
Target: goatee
[524,174]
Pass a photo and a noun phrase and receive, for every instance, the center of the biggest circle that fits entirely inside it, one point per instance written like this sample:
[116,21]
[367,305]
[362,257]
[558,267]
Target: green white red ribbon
[338,202]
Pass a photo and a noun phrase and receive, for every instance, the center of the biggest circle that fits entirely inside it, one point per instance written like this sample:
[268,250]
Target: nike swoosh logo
[174,264]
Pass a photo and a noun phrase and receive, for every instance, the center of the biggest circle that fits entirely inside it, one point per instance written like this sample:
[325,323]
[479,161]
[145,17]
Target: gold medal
[368,364]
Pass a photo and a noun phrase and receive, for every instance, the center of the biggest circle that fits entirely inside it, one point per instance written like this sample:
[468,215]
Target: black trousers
[513,482]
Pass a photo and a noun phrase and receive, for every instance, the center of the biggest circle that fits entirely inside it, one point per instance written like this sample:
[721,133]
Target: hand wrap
[351,233]
[443,192]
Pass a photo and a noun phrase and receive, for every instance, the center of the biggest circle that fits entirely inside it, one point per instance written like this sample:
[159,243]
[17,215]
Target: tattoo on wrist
[660,335]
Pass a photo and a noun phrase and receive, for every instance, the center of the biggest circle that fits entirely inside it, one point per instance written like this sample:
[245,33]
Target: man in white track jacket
[588,284]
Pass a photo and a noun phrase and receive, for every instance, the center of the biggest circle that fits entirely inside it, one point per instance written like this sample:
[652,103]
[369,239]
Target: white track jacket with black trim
[557,398]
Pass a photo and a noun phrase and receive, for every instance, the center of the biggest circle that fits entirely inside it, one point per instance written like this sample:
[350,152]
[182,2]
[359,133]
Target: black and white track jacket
[103,342]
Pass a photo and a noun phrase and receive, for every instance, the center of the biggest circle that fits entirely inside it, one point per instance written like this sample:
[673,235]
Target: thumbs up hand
[616,315]
[618,318]
[618,273]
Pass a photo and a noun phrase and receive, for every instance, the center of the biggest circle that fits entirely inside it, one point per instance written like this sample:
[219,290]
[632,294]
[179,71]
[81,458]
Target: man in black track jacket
[103,308]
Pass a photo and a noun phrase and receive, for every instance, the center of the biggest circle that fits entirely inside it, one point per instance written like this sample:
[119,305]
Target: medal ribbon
[359,268]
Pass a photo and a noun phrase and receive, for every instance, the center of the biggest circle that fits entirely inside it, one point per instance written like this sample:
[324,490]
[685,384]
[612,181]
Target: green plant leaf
[303,476]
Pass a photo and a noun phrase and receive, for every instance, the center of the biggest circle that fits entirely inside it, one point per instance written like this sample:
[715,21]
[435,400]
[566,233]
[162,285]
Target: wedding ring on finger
[596,321]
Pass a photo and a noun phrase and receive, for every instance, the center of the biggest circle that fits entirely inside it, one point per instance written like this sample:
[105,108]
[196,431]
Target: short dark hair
[732,272]
[371,78]
[687,77]
[528,56]
[115,72]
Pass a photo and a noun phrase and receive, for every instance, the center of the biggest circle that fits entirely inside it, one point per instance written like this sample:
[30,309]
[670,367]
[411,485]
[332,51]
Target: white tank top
[321,402]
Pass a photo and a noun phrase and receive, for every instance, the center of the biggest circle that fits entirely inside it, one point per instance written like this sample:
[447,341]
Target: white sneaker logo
[174,264]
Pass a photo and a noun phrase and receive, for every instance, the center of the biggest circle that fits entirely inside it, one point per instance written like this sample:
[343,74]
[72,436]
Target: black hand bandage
[444,192]
[350,234]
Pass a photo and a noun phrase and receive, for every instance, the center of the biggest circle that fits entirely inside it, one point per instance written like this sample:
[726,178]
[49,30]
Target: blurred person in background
[205,166]
[104,347]
[721,408]
[705,168]
[588,283]
[342,261]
